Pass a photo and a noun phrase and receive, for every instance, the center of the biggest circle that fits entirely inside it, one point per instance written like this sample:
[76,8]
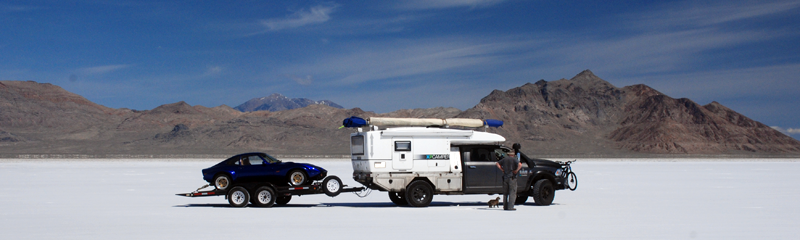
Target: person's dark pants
[509,192]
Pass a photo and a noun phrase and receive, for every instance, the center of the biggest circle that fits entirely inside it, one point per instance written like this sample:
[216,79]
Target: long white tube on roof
[417,122]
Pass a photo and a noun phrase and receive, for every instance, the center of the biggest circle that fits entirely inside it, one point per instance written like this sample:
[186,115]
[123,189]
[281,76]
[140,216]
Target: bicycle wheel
[572,181]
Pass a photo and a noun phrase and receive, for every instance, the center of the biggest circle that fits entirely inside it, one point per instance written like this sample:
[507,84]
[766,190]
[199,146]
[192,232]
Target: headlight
[559,171]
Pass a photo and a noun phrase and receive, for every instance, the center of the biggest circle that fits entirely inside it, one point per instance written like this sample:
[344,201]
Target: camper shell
[442,156]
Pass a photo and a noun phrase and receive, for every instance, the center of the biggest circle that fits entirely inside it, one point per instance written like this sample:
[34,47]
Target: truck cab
[413,163]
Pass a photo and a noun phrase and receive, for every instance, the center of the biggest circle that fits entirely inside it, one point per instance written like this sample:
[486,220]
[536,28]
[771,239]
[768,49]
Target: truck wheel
[543,192]
[238,197]
[283,200]
[332,186]
[222,181]
[521,199]
[419,194]
[398,198]
[297,177]
[263,197]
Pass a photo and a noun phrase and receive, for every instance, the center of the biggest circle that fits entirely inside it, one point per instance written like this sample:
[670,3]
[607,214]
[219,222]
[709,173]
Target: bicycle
[569,175]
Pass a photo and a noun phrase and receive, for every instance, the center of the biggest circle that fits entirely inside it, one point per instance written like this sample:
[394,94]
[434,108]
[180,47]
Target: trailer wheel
[263,197]
[297,177]
[332,186]
[238,197]
[222,181]
[543,192]
[419,194]
[398,198]
[283,200]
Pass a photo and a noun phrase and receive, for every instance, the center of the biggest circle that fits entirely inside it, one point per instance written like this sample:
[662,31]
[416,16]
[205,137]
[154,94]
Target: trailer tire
[297,177]
[238,197]
[398,198]
[419,194]
[543,192]
[222,181]
[332,186]
[263,197]
[283,200]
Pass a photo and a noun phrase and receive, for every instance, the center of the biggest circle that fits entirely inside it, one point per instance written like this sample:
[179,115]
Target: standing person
[510,167]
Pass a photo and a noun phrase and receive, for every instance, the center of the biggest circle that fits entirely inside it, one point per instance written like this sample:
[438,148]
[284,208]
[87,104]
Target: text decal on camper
[434,156]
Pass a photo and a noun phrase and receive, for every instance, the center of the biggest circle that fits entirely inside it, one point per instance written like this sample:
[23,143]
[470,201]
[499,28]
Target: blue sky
[387,55]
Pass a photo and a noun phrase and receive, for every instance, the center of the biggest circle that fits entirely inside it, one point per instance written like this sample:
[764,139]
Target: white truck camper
[414,159]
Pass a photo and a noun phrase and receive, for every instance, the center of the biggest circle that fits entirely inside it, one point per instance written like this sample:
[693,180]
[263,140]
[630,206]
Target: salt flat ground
[616,199]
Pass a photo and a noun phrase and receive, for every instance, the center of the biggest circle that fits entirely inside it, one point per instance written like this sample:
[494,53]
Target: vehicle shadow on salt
[363,205]
[392,205]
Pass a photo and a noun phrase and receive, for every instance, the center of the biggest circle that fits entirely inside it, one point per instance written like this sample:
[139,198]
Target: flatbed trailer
[266,194]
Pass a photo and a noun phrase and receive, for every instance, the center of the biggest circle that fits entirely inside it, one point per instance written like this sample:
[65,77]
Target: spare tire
[332,186]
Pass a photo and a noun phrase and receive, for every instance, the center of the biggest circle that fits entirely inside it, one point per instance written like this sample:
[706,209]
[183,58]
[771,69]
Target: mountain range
[584,116]
[277,102]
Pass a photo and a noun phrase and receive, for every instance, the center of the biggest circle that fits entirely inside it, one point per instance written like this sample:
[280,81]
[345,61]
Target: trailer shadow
[359,205]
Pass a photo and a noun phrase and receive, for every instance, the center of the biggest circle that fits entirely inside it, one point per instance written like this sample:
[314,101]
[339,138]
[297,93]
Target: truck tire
[263,197]
[297,178]
[238,197]
[332,186]
[543,192]
[283,200]
[398,198]
[419,194]
[222,181]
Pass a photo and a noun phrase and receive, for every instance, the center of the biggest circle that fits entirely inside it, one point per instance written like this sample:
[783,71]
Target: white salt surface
[615,200]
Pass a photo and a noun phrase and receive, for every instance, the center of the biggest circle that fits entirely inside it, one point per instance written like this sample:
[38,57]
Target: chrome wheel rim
[221,183]
[297,178]
[333,186]
[264,197]
[237,197]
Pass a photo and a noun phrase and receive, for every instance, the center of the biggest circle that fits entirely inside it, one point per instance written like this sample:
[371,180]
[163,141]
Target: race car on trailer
[263,181]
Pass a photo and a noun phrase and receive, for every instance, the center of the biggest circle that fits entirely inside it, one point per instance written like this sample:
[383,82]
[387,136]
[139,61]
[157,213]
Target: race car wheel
[238,197]
[222,181]
[297,177]
[332,186]
[283,200]
[263,197]
[543,192]
[419,194]
[398,198]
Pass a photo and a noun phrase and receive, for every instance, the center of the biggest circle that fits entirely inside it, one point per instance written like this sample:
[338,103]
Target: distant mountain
[580,117]
[587,115]
[277,102]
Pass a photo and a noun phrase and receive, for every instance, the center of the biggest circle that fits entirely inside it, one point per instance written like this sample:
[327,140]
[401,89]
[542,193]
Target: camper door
[403,157]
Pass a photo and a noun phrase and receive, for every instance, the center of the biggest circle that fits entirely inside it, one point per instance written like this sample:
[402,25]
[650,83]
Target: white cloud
[314,15]
[787,130]
[439,4]
[212,70]
[305,81]
[101,69]
[365,62]
[697,14]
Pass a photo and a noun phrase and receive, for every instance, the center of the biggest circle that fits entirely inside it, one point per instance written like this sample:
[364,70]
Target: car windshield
[270,159]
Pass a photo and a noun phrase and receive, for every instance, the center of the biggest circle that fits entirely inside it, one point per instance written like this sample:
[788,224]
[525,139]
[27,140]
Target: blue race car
[260,167]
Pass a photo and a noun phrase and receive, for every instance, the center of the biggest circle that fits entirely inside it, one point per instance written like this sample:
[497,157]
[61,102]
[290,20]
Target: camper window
[357,145]
[402,146]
